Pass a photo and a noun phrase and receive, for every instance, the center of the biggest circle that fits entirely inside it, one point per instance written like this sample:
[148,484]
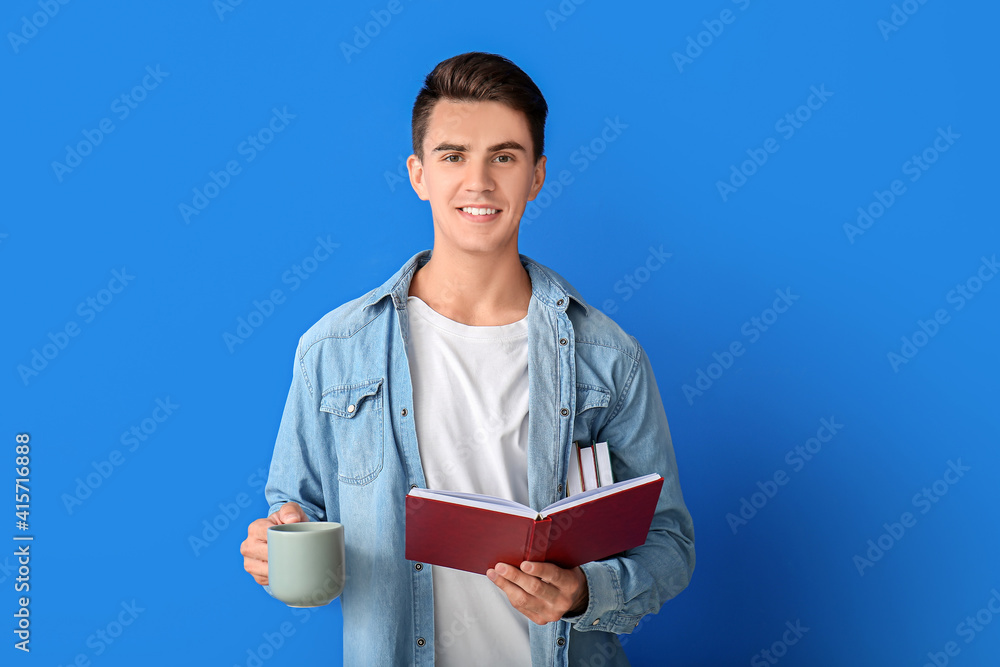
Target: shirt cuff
[277,506]
[604,607]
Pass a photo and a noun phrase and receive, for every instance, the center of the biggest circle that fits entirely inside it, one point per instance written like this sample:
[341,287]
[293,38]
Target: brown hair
[475,77]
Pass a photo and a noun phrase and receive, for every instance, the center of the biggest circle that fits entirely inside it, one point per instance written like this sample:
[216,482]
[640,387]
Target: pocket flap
[347,400]
[591,396]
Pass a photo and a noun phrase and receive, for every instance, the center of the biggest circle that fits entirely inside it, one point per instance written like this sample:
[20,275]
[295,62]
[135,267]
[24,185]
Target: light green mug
[305,562]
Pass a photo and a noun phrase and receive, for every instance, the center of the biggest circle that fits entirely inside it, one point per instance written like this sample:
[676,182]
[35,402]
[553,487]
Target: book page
[586,496]
[491,503]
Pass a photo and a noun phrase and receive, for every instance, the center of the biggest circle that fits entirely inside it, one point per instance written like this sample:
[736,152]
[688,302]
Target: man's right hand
[254,548]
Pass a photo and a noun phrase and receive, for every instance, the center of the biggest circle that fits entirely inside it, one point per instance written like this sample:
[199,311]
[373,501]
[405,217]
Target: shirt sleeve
[625,588]
[295,471]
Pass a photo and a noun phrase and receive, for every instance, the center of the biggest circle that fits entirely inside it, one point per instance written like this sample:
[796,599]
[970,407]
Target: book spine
[603,456]
[574,476]
[538,541]
[589,468]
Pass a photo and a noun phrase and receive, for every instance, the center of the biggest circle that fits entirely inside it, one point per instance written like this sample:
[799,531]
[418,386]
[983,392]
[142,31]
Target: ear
[416,169]
[538,179]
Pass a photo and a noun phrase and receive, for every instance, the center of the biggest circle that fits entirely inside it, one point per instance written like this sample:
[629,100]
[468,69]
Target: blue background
[335,172]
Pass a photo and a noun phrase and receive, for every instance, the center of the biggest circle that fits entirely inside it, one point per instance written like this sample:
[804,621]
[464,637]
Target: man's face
[479,155]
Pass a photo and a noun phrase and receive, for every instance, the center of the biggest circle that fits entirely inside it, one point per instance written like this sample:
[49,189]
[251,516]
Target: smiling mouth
[478,211]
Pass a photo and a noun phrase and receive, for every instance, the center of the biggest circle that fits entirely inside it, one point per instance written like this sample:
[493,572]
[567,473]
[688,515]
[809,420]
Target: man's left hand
[543,592]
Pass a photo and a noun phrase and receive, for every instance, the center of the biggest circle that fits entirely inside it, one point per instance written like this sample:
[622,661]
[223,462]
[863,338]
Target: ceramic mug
[305,562]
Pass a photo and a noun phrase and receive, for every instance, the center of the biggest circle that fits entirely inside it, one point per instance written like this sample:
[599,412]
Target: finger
[531,585]
[257,532]
[257,568]
[518,596]
[291,512]
[519,599]
[258,529]
[255,549]
[549,573]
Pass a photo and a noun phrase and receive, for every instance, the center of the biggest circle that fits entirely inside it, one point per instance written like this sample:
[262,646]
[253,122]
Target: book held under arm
[472,532]
[574,478]
[588,467]
[602,457]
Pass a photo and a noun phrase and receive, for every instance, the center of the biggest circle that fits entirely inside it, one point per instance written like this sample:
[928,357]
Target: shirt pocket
[591,400]
[357,423]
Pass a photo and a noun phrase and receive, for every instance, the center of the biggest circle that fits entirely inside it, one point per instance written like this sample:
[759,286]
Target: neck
[478,290]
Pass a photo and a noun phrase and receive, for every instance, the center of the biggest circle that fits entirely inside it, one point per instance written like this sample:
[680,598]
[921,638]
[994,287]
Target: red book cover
[474,532]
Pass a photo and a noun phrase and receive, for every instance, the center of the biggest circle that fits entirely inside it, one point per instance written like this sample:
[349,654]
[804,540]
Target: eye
[451,155]
[510,158]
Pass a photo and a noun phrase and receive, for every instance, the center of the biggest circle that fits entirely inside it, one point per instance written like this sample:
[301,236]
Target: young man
[473,368]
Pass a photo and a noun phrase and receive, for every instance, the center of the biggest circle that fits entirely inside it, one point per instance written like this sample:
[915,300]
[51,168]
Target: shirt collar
[547,286]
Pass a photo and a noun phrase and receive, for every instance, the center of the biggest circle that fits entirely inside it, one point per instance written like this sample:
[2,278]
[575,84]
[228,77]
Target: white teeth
[479,211]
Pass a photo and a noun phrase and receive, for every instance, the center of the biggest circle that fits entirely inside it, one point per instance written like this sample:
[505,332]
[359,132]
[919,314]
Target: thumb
[291,512]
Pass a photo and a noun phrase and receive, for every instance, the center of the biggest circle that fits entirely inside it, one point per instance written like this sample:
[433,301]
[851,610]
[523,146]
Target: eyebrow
[458,148]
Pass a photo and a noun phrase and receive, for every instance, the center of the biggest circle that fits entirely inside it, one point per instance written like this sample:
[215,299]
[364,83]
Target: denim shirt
[346,451]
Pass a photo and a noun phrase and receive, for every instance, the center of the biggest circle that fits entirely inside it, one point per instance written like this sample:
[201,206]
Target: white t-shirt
[470,400]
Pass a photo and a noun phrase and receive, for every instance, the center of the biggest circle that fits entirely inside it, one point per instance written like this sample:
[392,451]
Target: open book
[473,532]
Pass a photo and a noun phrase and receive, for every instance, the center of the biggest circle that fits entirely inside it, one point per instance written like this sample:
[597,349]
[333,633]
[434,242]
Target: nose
[478,177]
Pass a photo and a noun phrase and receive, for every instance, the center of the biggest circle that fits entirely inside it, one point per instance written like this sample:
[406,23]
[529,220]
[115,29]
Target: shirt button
[564,412]
[560,641]
[559,489]
[404,412]
[418,567]
[420,641]
[350,408]
[596,622]
[563,341]
[560,302]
